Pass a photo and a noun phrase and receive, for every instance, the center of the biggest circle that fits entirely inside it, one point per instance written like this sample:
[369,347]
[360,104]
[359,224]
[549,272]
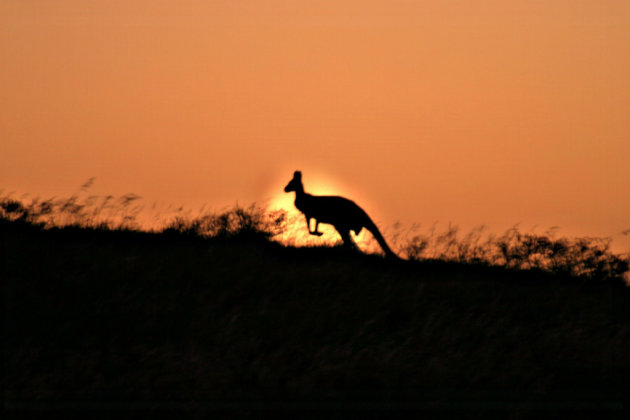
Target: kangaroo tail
[379,238]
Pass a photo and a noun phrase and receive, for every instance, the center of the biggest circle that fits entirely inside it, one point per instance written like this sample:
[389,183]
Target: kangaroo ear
[297,175]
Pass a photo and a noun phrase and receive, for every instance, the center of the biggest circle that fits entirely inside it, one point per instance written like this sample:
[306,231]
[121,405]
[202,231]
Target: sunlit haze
[471,112]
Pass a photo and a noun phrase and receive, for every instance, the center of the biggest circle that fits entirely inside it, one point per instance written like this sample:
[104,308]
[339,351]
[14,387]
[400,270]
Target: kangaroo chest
[301,205]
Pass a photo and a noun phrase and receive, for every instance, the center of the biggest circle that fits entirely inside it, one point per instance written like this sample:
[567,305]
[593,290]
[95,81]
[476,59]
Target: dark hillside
[97,316]
[106,319]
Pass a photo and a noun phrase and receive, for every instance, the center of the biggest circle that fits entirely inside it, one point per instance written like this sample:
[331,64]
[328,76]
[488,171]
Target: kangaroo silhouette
[345,215]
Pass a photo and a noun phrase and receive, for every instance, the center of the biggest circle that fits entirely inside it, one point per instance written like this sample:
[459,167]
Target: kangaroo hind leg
[345,236]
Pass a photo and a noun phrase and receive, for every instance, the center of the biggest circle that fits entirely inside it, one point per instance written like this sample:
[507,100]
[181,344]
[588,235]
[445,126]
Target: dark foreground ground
[123,322]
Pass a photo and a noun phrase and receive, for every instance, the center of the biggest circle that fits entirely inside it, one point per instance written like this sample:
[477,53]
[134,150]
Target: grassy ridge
[585,258]
[100,314]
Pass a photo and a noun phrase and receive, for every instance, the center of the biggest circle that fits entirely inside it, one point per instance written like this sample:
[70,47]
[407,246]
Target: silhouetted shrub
[238,222]
[88,212]
[12,209]
[589,258]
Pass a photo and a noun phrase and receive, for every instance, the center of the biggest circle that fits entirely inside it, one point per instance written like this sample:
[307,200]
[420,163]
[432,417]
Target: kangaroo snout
[295,183]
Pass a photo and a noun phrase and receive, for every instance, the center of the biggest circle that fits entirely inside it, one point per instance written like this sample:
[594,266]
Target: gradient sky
[474,112]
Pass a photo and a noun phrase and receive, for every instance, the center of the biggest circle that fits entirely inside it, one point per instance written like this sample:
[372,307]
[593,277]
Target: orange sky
[475,112]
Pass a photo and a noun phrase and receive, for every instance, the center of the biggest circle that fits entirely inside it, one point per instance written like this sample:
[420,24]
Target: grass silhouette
[580,258]
[209,313]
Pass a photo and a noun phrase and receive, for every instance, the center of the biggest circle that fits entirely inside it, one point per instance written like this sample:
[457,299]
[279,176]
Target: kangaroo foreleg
[316,232]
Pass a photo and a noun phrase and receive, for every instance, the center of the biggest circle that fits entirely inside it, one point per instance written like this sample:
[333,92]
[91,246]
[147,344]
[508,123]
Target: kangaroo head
[296,183]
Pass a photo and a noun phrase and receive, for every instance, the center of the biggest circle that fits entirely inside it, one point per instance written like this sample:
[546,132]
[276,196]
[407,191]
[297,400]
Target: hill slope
[94,316]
